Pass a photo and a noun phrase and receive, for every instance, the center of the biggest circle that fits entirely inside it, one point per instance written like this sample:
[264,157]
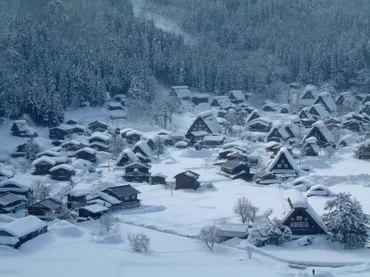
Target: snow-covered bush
[209,236]
[139,242]
[346,221]
[108,224]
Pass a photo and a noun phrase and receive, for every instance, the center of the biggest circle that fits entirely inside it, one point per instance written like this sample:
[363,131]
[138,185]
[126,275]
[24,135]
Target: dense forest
[54,54]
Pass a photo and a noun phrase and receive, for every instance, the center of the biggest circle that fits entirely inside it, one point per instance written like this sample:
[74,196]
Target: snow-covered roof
[319,187]
[181,144]
[106,197]
[214,138]
[125,130]
[115,104]
[271,144]
[181,91]
[129,153]
[99,135]
[211,122]
[99,144]
[238,94]
[19,187]
[192,174]
[233,229]
[137,164]
[159,174]
[261,120]
[48,153]
[323,129]
[253,113]
[23,226]
[43,159]
[145,148]
[281,130]
[199,133]
[285,152]
[9,198]
[311,140]
[326,97]
[66,167]
[320,109]
[95,208]
[20,121]
[133,132]
[6,173]
[87,150]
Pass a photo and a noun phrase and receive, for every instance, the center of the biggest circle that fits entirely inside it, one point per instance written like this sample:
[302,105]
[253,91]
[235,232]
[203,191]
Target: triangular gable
[254,115]
[283,161]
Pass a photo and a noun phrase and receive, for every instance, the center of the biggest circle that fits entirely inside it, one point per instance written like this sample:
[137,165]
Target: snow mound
[109,239]
[169,161]
[301,188]
[192,153]
[318,273]
[67,229]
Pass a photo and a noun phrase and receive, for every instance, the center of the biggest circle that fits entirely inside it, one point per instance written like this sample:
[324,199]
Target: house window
[279,166]
[127,198]
[299,218]
[299,225]
[133,197]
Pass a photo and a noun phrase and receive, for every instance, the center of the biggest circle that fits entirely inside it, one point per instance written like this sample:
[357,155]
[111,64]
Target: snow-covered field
[170,216]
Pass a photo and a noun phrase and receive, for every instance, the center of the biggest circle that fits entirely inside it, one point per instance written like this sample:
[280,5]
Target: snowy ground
[182,212]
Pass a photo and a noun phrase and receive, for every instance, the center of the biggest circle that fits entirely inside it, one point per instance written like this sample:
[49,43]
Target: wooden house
[237,155]
[97,126]
[11,203]
[180,92]
[283,165]
[87,154]
[196,136]
[206,122]
[20,128]
[362,151]
[94,211]
[302,219]
[5,174]
[236,96]
[327,101]
[365,109]
[76,199]
[344,96]
[177,136]
[321,133]
[143,148]
[133,136]
[21,230]
[186,180]
[353,125]
[98,146]
[100,138]
[261,124]
[58,133]
[254,115]
[142,167]
[158,179]
[45,207]
[127,194]
[268,179]
[62,172]
[222,154]
[126,157]
[308,96]
[235,169]
[57,143]
[14,187]
[42,165]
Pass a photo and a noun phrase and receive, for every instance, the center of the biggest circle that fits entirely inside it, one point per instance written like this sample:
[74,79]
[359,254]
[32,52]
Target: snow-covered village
[164,162]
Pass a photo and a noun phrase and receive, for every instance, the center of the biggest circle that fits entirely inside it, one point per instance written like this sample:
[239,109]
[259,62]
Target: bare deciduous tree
[244,208]
[117,145]
[40,192]
[139,242]
[209,236]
